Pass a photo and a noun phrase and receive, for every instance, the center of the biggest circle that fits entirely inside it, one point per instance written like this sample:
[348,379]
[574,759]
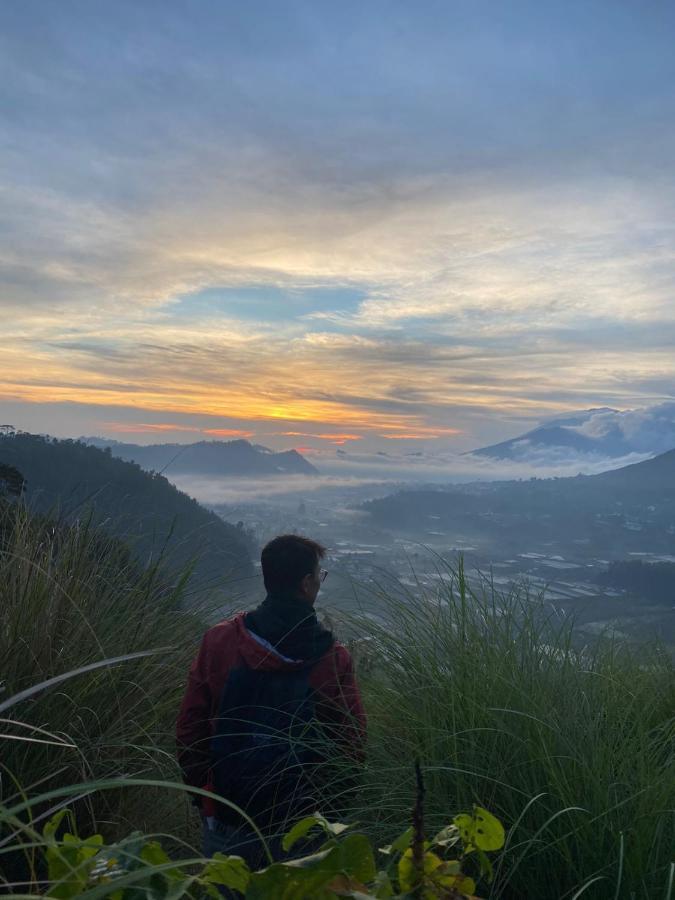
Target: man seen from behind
[272,719]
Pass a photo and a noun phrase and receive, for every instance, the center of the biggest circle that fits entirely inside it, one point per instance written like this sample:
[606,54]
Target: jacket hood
[259,654]
[288,629]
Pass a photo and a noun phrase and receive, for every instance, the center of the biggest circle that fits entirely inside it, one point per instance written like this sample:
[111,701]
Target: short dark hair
[286,560]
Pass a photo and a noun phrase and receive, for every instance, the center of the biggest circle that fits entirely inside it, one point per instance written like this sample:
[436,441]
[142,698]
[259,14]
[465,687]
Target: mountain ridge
[224,458]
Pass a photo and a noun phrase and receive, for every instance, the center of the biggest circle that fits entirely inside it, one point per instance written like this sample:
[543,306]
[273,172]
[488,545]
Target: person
[262,684]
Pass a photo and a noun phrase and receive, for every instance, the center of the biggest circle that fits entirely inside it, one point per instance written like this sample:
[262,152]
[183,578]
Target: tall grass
[70,596]
[574,747]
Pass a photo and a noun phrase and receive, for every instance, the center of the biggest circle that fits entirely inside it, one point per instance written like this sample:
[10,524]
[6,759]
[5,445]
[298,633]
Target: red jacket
[228,645]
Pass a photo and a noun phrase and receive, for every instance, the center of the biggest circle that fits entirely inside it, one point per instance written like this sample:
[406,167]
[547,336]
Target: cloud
[172,427]
[337,438]
[227,432]
[144,428]
[446,467]
[647,430]
[487,201]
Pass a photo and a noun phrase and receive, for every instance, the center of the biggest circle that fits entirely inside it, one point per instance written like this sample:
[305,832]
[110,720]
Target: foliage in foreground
[573,745]
[345,866]
[70,597]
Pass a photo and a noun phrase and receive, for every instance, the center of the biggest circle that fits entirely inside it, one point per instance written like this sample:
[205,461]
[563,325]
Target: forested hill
[210,458]
[75,480]
[636,502]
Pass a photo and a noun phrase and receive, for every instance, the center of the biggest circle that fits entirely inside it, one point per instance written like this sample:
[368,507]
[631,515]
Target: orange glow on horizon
[160,427]
[333,438]
[227,432]
[146,428]
[244,404]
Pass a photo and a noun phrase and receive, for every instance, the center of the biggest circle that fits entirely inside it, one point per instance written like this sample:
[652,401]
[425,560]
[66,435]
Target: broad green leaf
[401,843]
[459,882]
[482,830]
[69,865]
[356,858]
[382,886]
[489,830]
[407,875]
[229,871]
[307,878]
[153,854]
[302,828]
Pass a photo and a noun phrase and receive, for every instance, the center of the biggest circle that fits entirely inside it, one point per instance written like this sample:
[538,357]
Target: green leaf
[465,825]
[229,871]
[302,828]
[382,887]
[458,882]
[356,857]
[489,830]
[69,864]
[307,878]
[52,825]
[486,870]
[401,843]
[407,875]
[482,830]
[154,854]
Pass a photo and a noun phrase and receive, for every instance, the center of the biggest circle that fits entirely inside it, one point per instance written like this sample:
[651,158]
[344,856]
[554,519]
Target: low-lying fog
[365,549]
[371,475]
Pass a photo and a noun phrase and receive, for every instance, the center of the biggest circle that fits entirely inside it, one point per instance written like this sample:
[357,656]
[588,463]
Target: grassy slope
[70,595]
[574,749]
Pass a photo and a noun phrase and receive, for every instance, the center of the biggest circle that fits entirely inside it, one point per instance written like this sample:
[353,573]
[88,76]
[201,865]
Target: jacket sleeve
[193,728]
[345,714]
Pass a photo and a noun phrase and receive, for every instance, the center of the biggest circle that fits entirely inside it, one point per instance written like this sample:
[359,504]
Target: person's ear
[305,586]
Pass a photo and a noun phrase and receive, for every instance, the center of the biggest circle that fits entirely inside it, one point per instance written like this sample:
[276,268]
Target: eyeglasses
[323,574]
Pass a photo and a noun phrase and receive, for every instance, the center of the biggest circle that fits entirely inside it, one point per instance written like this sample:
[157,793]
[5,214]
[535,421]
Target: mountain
[605,432]
[76,481]
[209,458]
[558,433]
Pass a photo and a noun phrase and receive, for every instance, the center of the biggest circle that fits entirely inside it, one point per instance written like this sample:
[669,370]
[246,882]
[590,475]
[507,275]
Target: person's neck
[289,597]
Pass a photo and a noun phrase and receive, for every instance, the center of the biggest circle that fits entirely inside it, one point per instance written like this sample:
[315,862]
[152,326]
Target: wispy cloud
[172,427]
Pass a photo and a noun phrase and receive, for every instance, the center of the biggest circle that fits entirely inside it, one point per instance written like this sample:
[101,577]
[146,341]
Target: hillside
[632,505]
[655,475]
[77,480]
[209,458]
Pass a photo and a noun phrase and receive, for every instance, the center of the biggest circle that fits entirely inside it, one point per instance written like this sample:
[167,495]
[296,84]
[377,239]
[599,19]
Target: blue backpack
[266,746]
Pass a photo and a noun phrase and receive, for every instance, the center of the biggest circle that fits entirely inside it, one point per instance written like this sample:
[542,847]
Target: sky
[386,226]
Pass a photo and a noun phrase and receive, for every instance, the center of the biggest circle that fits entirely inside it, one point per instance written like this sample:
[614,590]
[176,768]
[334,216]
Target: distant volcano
[209,458]
[602,432]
